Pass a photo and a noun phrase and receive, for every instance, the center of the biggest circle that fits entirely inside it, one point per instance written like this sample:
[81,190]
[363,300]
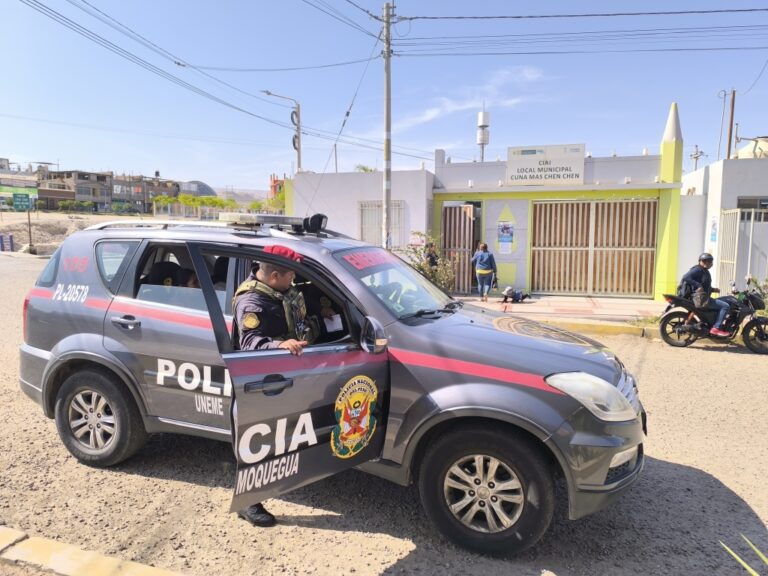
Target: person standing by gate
[485,270]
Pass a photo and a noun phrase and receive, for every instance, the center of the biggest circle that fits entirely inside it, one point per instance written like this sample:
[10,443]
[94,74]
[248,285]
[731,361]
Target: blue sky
[66,99]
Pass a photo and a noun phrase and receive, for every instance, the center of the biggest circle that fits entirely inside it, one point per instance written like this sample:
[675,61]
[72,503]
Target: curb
[17,547]
[604,329]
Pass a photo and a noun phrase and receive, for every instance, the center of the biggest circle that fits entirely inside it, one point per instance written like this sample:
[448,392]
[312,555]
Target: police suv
[484,411]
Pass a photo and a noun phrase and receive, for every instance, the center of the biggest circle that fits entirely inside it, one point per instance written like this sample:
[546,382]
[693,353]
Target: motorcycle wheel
[755,335]
[671,329]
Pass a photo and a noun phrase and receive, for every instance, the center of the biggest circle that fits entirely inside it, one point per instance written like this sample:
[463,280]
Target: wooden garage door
[601,248]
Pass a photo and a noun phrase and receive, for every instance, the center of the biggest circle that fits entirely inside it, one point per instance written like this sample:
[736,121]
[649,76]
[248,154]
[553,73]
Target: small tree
[256,206]
[40,204]
[443,275]
[364,168]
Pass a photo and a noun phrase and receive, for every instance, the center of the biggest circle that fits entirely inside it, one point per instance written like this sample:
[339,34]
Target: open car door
[299,419]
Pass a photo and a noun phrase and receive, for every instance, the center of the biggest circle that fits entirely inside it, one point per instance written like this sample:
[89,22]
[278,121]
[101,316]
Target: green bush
[442,275]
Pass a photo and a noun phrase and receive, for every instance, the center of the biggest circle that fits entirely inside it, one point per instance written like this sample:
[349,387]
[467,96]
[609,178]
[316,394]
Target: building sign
[560,165]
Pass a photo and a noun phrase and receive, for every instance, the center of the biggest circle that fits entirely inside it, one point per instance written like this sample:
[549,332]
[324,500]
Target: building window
[746,205]
[370,222]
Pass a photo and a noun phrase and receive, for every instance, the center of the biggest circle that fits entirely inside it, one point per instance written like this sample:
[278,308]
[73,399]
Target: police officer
[270,313]
[699,279]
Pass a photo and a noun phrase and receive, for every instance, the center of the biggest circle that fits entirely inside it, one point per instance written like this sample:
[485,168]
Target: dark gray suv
[486,412]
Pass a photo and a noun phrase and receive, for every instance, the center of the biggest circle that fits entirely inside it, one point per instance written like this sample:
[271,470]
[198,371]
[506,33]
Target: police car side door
[299,419]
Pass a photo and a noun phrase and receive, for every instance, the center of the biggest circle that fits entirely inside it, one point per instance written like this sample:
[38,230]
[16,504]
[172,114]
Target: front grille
[628,387]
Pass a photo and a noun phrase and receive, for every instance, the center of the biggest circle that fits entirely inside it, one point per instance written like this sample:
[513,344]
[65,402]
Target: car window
[48,275]
[324,316]
[164,281]
[401,288]
[112,258]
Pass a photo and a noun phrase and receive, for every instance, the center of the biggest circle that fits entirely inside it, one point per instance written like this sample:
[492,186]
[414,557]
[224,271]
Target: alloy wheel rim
[483,493]
[92,420]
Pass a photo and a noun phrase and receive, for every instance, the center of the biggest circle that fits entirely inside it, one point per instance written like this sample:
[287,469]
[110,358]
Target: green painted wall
[289,197]
[667,233]
[667,237]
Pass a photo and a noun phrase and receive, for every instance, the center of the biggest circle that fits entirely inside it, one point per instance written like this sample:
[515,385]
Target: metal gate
[458,237]
[594,248]
[742,247]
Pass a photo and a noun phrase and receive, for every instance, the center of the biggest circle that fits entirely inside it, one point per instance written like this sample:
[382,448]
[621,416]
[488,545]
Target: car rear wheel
[674,331]
[487,490]
[755,335]
[97,419]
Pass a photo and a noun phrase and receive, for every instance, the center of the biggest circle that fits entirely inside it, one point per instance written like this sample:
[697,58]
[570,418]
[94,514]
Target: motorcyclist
[699,279]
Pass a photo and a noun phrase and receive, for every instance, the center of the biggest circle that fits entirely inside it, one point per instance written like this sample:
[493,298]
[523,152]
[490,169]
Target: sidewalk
[21,553]
[583,314]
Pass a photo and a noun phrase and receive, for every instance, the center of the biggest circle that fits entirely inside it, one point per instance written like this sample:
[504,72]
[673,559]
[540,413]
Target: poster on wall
[505,228]
[505,234]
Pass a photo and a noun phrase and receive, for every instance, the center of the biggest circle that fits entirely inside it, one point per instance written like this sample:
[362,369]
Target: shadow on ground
[670,522]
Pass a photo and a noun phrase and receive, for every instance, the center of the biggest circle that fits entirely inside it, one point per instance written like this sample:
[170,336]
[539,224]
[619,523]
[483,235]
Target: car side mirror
[372,338]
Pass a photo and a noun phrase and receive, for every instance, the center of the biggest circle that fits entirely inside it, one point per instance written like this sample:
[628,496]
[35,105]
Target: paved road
[704,482]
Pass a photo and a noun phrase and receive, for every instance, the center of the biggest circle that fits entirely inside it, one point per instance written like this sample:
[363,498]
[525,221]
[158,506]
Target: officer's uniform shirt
[260,320]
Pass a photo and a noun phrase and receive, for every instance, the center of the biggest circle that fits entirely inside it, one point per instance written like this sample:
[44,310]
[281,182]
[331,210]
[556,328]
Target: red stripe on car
[471,369]
[308,362]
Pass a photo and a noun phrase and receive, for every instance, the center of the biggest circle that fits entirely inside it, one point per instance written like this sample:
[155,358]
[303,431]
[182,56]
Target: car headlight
[595,394]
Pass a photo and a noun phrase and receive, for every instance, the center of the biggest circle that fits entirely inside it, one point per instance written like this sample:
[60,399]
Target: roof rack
[158,224]
[270,224]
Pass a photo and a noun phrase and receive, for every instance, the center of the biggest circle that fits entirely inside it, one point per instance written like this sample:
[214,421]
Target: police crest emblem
[356,423]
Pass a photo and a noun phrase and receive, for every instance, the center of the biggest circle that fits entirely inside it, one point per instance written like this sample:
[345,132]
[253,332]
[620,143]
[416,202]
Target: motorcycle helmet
[706,257]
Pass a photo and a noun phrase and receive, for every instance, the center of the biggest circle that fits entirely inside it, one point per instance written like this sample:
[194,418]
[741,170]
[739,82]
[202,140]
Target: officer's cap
[284,252]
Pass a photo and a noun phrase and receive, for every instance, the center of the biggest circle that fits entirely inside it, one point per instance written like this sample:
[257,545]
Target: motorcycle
[682,328]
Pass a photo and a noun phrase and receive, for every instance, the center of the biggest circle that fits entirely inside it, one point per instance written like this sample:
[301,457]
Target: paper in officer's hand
[333,324]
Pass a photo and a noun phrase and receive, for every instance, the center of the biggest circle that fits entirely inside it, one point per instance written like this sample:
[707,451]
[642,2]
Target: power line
[344,121]
[654,33]
[126,31]
[92,36]
[407,54]
[364,10]
[593,15]
[86,33]
[285,69]
[336,15]
[756,79]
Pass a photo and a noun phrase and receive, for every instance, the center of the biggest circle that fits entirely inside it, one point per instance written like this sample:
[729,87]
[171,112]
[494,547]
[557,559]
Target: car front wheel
[97,419]
[487,490]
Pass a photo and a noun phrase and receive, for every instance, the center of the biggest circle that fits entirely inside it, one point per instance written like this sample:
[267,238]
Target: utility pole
[385,225]
[696,155]
[730,124]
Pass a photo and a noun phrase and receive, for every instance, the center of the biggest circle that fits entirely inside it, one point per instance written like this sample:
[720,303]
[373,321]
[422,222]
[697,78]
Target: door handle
[271,385]
[129,322]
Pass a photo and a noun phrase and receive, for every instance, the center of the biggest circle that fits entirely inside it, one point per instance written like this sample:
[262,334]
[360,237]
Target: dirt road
[704,482]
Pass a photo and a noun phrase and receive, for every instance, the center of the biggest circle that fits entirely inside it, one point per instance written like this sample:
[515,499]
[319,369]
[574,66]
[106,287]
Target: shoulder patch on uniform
[251,321]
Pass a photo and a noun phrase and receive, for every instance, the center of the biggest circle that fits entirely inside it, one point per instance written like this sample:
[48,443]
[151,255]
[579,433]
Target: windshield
[403,290]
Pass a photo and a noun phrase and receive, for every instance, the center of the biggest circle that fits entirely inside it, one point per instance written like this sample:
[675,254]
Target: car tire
[518,496]
[97,419]
[755,335]
[670,330]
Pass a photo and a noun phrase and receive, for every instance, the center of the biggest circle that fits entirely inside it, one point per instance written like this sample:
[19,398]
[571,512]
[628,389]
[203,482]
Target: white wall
[604,171]
[337,195]
[693,211]
[723,183]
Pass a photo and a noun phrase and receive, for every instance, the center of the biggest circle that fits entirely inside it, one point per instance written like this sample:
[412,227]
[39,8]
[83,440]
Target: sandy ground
[48,229]
[704,482]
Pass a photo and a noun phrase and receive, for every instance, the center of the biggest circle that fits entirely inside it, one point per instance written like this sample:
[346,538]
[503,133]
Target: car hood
[477,335]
